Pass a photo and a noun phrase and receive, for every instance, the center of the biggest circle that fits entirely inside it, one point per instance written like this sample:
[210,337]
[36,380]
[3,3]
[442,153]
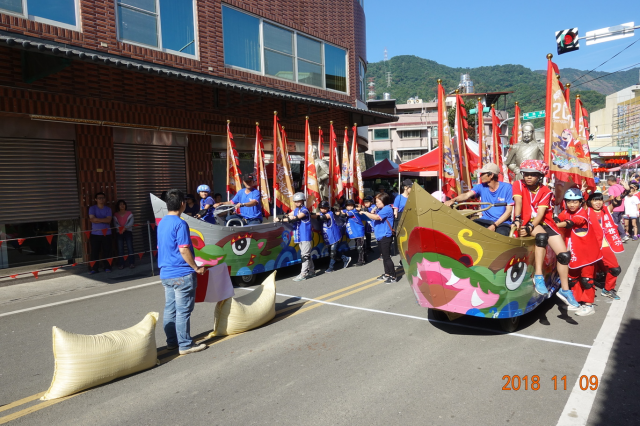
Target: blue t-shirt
[173,233]
[330,230]
[504,194]
[203,202]
[100,213]
[381,228]
[249,212]
[355,227]
[400,202]
[302,229]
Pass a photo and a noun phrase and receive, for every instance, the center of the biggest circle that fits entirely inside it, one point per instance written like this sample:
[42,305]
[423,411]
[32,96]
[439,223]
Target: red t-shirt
[531,201]
[582,241]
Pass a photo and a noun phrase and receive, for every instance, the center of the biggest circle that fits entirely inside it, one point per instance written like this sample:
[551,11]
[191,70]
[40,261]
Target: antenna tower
[372,89]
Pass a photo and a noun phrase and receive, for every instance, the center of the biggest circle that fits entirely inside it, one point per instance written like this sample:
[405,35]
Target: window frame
[362,77]
[25,15]
[382,139]
[296,58]
[158,48]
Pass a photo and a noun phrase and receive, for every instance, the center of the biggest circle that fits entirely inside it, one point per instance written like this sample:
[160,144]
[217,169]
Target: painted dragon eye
[516,271]
[241,245]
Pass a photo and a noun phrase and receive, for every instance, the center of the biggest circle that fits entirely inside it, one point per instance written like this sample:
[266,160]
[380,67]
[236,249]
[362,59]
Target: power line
[602,76]
[584,75]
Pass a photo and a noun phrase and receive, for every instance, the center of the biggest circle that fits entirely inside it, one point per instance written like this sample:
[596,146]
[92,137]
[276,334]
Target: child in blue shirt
[332,234]
[300,218]
[355,229]
[368,207]
[206,205]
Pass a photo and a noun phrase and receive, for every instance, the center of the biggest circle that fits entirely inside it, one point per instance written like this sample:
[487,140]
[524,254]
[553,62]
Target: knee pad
[572,282]
[306,258]
[334,254]
[542,240]
[615,271]
[601,276]
[586,282]
[564,258]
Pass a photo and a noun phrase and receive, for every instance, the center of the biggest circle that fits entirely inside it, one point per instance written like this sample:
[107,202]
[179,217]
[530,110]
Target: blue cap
[204,188]
[573,194]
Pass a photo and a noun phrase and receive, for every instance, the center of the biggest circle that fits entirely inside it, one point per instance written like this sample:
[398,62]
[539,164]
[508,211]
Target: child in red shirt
[582,240]
[534,217]
[607,269]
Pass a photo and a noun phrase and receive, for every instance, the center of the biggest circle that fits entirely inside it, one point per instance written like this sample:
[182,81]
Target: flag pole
[228,122]
[306,155]
[331,158]
[275,160]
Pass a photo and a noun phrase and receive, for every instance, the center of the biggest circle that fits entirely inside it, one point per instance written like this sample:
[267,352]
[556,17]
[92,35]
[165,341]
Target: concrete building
[132,97]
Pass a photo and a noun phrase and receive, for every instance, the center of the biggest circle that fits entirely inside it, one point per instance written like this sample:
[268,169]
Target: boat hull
[457,266]
[248,250]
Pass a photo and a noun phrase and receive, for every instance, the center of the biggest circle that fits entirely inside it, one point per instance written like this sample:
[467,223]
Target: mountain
[413,76]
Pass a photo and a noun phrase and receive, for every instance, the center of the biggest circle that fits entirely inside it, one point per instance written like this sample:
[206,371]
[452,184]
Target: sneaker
[540,286]
[382,277]
[390,280]
[625,238]
[300,278]
[346,260]
[172,347]
[193,349]
[635,238]
[329,270]
[567,297]
[612,294]
[586,310]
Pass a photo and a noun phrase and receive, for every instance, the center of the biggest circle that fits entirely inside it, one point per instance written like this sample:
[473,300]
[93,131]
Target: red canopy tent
[425,165]
[633,164]
[380,170]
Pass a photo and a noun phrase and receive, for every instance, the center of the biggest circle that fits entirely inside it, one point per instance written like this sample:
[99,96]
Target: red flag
[345,173]
[155,252]
[110,260]
[70,235]
[496,145]
[583,136]
[35,274]
[282,178]
[460,131]
[20,241]
[75,264]
[449,172]
[357,186]
[233,176]
[55,269]
[125,257]
[87,234]
[320,144]
[311,175]
[335,180]
[14,276]
[261,173]
[484,152]
[153,225]
[121,229]
[564,152]
[93,262]
[48,237]
[104,231]
[516,131]
[140,255]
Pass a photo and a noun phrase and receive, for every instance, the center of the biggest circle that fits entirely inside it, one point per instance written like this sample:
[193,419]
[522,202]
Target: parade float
[455,266]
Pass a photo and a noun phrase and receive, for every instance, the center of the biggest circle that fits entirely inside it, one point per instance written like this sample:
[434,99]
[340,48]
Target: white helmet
[299,196]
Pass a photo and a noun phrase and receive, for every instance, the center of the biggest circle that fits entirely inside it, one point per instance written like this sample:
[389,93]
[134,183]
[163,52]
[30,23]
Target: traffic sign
[532,115]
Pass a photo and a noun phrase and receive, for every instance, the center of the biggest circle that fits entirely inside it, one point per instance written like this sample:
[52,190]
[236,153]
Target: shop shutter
[145,169]
[38,181]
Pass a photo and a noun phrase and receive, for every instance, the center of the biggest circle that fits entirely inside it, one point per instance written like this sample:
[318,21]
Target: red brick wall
[340,22]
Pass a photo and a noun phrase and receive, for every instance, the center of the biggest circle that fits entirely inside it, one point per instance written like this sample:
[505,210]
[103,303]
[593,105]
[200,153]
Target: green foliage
[414,76]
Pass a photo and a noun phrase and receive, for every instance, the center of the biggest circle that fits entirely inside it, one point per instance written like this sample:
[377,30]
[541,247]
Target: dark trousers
[361,253]
[126,237]
[385,249]
[502,229]
[367,241]
[100,249]
[617,219]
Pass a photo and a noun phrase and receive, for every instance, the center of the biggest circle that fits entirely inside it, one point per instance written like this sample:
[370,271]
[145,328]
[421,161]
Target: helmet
[534,166]
[573,194]
[204,188]
[324,205]
[299,196]
[368,198]
[350,202]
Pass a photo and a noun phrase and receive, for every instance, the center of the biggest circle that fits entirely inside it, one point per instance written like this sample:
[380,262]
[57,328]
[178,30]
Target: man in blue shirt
[249,202]
[491,190]
[177,266]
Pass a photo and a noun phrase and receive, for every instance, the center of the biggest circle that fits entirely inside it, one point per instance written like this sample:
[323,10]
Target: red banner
[449,161]
[345,172]
[261,174]
[282,181]
[496,145]
[320,144]
[583,136]
[356,183]
[233,175]
[460,132]
[484,150]
[516,132]
[311,176]
[335,179]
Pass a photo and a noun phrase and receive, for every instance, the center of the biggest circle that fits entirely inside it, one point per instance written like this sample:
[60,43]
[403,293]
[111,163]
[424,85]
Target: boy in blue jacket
[300,218]
[355,229]
[332,234]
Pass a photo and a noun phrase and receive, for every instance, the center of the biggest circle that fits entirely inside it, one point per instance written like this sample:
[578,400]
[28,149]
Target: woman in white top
[631,202]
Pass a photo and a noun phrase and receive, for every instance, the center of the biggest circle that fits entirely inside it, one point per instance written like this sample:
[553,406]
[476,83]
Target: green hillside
[414,76]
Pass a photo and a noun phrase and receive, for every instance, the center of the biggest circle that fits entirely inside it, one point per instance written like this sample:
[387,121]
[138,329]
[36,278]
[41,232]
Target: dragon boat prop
[248,250]
[457,267]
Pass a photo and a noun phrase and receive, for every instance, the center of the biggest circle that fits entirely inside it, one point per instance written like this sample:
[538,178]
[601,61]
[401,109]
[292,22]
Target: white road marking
[580,402]
[63,302]
[431,320]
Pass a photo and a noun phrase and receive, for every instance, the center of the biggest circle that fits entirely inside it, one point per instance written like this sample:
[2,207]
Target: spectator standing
[383,230]
[401,199]
[178,271]
[192,208]
[631,210]
[123,221]
[100,240]
[615,190]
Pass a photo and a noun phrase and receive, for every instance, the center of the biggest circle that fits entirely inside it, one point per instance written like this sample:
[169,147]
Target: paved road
[369,356]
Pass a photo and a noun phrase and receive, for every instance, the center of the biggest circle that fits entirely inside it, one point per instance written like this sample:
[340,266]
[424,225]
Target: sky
[472,34]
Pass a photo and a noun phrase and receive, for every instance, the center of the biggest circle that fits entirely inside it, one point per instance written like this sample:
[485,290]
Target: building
[133,97]
[616,128]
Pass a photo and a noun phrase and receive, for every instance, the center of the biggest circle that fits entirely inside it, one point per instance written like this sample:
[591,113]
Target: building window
[167,25]
[61,13]
[410,155]
[378,156]
[410,134]
[362,76]
[379,134]
[257,45]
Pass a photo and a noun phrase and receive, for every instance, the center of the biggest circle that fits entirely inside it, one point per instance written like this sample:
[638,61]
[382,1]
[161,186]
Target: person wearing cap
[491,190]
[300,218]
[248,201]
[401,200]
[582,239]
[533,214]
[192,208]
[355,229]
